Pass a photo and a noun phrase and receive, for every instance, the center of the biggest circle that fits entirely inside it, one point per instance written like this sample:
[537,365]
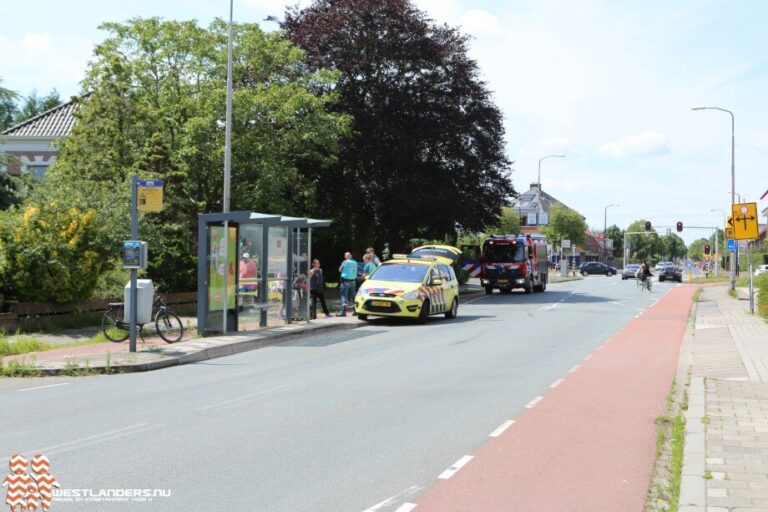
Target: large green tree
[644,246]
[696,249]
[8,107]
[672,247]
[564,223]
[426,156]
[616,234]
[34,105]
[154,108]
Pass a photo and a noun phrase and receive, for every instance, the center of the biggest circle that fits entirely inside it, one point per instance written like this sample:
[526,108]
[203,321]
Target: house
[33,141]
[533,207]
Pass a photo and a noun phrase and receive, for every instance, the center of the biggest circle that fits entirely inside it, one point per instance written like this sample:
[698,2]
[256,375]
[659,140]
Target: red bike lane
[589,444]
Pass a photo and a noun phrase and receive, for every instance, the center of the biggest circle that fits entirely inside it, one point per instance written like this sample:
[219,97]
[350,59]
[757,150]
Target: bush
[761,286]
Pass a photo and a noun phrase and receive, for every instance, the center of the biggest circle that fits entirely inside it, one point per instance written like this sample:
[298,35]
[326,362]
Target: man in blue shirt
[348,270]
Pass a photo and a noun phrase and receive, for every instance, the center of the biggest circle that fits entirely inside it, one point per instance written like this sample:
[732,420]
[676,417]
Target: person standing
[374,259]
[348,271]
[370,266]
[317,288]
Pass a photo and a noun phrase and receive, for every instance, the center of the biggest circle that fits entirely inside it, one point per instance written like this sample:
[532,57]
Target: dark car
[672,273]
[630,270]
[595,267]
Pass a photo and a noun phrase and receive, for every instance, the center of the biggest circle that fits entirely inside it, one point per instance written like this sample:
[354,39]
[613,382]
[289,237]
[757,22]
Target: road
[358,420]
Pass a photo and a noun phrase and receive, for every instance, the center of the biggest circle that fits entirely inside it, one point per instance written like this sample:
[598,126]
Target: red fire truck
[513,261]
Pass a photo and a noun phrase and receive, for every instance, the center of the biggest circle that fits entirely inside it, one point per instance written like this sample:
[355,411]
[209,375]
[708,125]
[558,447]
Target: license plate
[503,281]
[380,303]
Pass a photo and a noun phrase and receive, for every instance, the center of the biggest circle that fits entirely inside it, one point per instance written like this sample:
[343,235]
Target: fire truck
[513,261]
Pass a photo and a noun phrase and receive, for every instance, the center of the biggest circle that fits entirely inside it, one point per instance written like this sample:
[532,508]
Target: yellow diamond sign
[745,221]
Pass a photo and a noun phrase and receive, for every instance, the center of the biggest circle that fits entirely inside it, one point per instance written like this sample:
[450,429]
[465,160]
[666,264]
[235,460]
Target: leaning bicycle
[167,324]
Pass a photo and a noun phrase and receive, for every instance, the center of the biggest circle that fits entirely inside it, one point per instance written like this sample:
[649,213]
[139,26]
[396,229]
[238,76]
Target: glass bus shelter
[256,274]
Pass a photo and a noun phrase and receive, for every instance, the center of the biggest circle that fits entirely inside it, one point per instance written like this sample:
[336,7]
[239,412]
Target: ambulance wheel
[451,313]
[488,290]
[424,313]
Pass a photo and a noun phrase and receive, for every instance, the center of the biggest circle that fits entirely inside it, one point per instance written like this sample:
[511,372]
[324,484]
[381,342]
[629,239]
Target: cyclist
[645,271]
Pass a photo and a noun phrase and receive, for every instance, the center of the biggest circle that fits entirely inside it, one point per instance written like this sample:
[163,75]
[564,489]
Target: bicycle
[645,284]
[167,324]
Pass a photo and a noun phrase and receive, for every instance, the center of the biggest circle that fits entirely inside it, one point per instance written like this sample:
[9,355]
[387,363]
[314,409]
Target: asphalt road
[356,420]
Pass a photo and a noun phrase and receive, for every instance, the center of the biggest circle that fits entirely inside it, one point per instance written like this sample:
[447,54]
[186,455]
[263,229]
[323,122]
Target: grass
[732,293]
[697,295]
[21,346]
[677,443]
[21,368]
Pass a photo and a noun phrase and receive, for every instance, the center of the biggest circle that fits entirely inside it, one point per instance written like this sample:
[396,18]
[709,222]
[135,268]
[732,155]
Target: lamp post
[227,168]
[605,225]
[544,158]
[733,171]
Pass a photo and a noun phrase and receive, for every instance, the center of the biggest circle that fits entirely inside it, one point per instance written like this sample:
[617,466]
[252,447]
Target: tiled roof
[536,199]
[56,122]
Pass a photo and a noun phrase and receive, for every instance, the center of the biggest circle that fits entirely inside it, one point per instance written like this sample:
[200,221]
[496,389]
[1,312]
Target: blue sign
[731,245]
[689,264]
[150,183]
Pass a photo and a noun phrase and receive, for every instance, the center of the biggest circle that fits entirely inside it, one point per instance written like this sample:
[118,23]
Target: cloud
[644,144]
[36,41]
[478,21]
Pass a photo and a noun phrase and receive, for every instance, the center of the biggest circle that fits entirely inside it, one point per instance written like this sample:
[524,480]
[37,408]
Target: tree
[156,101]
[617,235]
[564,223]
[426,156]
[673,247]
[34,105]
[507,223]
[644,246]
[7,107]
[696,249]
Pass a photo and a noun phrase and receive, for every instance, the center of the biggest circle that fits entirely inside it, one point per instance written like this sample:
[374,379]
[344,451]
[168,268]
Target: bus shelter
[252,268]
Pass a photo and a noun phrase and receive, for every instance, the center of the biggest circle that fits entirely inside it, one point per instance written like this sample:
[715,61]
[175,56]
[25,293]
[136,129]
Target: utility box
[145,293]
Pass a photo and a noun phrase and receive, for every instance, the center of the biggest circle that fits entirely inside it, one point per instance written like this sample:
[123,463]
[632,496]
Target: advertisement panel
[217,268]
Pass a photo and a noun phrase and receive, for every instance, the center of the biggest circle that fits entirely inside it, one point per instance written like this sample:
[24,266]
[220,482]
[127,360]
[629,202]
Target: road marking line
[534,402]
[392,499]
[225,403]
[406,507]
[448,473]
[43,387]
[574,369]
[557,383]
[504,426]
[587,358]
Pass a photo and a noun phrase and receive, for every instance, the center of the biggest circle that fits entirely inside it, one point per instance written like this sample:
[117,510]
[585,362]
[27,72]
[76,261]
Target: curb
[692,483]
[231,345]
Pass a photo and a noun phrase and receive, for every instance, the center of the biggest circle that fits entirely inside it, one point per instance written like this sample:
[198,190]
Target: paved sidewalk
[725,465]
[156,354]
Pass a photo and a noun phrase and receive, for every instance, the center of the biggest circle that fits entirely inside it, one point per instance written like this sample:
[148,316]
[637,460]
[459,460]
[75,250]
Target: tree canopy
[564,223]
[34,105]
[155,108]
[426,154]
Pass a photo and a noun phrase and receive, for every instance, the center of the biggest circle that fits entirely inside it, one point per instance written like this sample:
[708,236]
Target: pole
[538,180]
[733,189]
[717,250]
[133,298]
[751,289]
[625,250]
[225,298]
[228,117]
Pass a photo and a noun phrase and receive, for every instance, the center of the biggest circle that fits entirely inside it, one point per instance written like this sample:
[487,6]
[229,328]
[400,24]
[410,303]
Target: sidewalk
[725,464]
[156,354]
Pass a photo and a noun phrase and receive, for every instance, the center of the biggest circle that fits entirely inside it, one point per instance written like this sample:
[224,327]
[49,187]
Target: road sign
[728,232]
[731,245]
[688,264]
[150,195]
[745,221]
[566,244]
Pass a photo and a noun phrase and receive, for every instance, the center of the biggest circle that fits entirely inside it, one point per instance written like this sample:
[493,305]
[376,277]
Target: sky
[608,83]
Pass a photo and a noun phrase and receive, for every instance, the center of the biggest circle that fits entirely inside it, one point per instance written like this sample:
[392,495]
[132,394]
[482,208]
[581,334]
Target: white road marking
[448,473]
[43,387]
[587,358]
[504,426]
[406,507]
[574,369]
[477,299]
[557,383]
[393,499]
[534,402]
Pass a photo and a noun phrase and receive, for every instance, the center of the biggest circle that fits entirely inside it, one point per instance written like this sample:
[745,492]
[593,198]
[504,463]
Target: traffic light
[679,226]
[707,249]
[647,225]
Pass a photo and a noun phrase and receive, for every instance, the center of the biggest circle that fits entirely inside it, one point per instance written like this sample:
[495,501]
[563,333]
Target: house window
[543,218]
[530,219]
[36,170]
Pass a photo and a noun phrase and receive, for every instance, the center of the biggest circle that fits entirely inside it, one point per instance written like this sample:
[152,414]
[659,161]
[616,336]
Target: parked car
[595,267]
[672,273]
[760,269]
[630,270]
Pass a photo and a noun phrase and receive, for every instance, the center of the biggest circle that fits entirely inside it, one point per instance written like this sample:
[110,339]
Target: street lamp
[605,225]
[227,168]
[733,171]
[544,158]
